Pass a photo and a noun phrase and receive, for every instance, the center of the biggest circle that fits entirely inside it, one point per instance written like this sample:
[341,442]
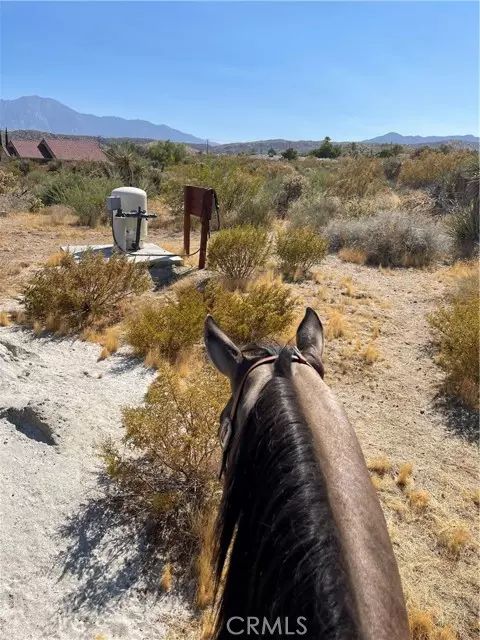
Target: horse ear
[223,353]
[310,334]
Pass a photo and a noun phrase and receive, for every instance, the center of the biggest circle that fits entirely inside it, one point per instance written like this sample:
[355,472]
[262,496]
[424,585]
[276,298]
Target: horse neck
[364,539]
[277,527]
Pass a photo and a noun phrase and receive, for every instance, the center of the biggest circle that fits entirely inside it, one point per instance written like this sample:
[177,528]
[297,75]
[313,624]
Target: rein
[227,423]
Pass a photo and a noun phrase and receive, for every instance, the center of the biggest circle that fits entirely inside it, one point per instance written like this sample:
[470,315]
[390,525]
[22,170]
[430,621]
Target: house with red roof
[55,149]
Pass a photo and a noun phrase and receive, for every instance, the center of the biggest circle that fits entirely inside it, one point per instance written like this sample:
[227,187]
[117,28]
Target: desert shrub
[464,229]
[168,326]
[257,211]
[431,167]
[8,182]
[314,212]
[233,181]
[165,152]
[389,238]
[357,177]
[456,326]
[57,214]
[291,189]
[236,253]
[166,472]
[392,165]
[72,295]
[298,250]
[86,196]
[265,311]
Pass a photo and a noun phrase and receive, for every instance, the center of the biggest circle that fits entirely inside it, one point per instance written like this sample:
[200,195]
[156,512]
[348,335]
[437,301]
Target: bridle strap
[226,426]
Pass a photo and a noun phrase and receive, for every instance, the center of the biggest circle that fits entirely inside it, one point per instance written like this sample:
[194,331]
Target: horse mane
[278,553]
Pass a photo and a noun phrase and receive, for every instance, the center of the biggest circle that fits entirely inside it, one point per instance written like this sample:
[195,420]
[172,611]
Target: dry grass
[104,354]
[55,259]
[37,328]
[4,319]
[454,537]
[381,465]
[404,475]
[204,525]
[166,578]
[419,499]
[353,255]
[336,326]
[398,506]
[347,284]
[370,354]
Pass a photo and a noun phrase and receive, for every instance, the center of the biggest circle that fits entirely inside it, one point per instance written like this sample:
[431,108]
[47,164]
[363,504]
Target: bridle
[227,421]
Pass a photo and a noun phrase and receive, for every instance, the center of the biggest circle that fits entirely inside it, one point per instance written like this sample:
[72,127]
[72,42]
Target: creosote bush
[167,327]
[265,311]
[236,253]
[430,167]
[172,326]
[166,472]
[389,239]
[357,177]
[456,325]
[71,295]
[298,250]
[314,211]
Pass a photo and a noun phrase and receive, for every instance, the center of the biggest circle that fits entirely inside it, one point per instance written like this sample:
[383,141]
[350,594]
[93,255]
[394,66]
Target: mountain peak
[50,115]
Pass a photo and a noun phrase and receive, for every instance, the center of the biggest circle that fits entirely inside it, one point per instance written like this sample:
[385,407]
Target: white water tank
[125,229]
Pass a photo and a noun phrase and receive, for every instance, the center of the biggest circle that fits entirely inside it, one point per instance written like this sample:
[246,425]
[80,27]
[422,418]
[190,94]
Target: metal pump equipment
[128,208]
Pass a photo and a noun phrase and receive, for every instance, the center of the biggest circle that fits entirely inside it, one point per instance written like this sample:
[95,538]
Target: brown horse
[302,544]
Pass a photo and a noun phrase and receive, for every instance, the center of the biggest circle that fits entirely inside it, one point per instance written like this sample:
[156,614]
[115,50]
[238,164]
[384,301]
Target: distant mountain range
[45,114]
[397,138]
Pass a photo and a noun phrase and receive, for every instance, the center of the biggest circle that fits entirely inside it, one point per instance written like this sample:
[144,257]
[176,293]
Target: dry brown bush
[430,167]
[456,325]
[166,472]
[73,295]
[357,177]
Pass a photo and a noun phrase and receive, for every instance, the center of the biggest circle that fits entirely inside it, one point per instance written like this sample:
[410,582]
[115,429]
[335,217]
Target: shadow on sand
[459,419]
[109,553]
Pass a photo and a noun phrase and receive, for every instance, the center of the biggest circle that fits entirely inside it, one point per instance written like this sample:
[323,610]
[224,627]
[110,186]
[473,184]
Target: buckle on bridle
[225,432]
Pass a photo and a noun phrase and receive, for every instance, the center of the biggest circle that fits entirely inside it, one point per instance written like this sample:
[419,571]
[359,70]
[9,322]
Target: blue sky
[248,71]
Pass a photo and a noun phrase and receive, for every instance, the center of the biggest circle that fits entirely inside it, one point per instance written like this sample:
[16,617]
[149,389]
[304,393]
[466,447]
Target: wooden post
[186,223]
[197,202]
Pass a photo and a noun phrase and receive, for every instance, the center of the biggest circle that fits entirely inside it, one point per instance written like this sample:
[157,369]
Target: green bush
[298,250]
[391,238]
[86,196]
[236,253]
[168,327]
[8,182]
[291,189]
[326,150]
[265,311]
[73,295]
[464,229]
[456,325]
[290,154]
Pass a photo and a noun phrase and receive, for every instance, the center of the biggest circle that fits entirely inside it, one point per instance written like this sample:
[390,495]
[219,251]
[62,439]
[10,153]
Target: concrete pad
[151,253]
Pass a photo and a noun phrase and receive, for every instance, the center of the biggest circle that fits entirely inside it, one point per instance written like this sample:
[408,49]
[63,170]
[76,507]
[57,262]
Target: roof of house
[27,148]
[74,149]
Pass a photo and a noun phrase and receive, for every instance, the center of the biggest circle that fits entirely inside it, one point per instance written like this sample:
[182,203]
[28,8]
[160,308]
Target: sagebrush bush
[166,472]
[456,325]
[167,326]
[265,311]
[357,177]
[71,295]
[389,239]
[298,250]
[314,212]
[292,187]
[236,253]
